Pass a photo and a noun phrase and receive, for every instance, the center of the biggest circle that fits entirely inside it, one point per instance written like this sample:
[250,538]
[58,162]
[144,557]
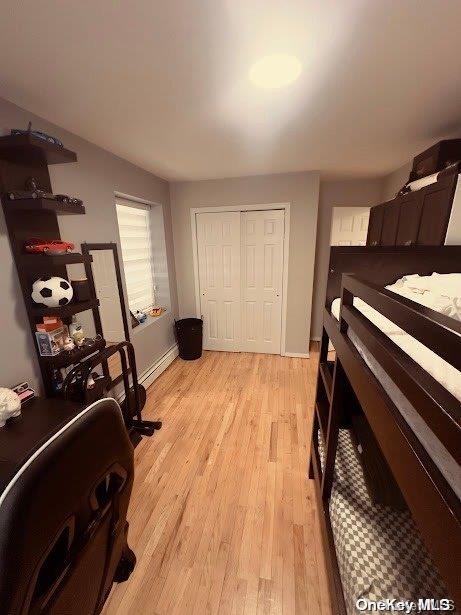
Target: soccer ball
[51,291]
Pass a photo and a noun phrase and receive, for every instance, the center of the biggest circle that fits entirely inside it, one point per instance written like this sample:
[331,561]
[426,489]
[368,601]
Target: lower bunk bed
[379,549]
[389,495]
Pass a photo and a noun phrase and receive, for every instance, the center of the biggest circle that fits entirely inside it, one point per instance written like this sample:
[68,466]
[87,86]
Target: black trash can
[189,336]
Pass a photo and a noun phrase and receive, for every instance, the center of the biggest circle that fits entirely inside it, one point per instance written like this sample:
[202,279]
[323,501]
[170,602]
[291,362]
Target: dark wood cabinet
[375,225]
[391,217]
[436,208]
[415,218]
[410,217]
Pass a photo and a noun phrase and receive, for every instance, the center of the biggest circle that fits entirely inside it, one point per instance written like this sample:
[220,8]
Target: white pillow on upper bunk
[439,291]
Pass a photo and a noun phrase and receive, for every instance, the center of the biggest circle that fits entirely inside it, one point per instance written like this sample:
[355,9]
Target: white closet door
[218,239]
[262,273]
[349,226]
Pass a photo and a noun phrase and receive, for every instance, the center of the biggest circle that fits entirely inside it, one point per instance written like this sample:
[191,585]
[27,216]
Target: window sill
[150,320]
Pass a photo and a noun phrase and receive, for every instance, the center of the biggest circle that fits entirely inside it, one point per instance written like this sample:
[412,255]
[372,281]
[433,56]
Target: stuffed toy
[10,405]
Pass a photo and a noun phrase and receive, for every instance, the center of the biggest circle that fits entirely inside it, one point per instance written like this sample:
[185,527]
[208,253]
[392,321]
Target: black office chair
[63,529]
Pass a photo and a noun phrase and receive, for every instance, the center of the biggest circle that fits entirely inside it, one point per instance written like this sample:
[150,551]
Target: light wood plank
[222,516]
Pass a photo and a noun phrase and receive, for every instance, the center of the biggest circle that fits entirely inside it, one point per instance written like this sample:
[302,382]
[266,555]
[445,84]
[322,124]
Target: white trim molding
[297,355]
[286,252]
[153,372]
[136,199]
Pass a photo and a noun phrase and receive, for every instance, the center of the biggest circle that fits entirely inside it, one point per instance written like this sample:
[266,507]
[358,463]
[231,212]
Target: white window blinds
[135,238]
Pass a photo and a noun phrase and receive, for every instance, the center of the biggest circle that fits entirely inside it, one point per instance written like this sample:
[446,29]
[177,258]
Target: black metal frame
[85,368]
[90,247]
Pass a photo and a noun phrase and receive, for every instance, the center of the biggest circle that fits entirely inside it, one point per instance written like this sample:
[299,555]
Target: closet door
[262,273]
[219,246]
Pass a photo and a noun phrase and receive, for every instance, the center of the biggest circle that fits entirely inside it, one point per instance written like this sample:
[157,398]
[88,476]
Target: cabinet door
[390,223]
[375,224]
[436,208]
[411,206]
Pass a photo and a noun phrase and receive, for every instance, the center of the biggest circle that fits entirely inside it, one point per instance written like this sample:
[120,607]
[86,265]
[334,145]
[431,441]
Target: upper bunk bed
[400,362]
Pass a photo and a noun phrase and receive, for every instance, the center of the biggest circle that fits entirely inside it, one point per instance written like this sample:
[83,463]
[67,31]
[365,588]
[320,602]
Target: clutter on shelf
[50,336]
[24,391]
[54,337]
[82,290]
[36,133]
[156,311]
[48,246]
[76,331]
[140,316]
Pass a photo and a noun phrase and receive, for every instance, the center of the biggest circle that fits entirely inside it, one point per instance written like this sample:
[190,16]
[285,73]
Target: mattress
[438,368]
[379,550]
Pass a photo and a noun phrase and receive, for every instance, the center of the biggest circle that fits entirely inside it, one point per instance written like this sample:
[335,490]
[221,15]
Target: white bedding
[443,372]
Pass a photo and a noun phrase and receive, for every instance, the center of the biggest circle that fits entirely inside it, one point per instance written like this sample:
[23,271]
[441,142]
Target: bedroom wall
[94,179]
[395,180]
[301,190]
[336,193]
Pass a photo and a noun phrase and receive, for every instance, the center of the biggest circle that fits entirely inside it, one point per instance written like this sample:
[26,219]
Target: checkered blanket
[379,550]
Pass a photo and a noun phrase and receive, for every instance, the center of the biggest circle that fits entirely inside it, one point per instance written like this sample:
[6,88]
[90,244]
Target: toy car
[48,246]
[37,133]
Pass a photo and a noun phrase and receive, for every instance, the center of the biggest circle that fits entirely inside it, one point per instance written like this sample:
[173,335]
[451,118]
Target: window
[134,224]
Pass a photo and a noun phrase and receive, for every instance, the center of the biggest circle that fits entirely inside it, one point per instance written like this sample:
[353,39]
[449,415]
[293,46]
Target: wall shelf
[13,145]
[40,204]
[43,261]
[23,157]
[64,311]
[66,358]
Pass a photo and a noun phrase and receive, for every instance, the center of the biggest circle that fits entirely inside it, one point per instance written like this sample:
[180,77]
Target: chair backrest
[63,516]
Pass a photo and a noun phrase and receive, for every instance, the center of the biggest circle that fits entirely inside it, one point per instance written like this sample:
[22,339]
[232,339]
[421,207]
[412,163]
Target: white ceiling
[165,84]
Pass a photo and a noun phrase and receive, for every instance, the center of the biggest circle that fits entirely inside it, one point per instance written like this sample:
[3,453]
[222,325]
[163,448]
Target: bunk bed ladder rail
[323,479]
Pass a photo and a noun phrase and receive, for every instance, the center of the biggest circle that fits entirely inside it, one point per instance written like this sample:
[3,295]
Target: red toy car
[48,246]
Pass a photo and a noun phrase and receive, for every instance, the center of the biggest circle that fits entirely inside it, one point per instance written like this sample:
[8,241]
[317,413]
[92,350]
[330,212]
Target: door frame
[286,251]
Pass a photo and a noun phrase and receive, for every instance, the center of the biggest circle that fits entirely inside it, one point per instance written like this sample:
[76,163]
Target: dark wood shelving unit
[23,157]
[43,204]
[64,311]
[66,358]
[43,262]
[20,145]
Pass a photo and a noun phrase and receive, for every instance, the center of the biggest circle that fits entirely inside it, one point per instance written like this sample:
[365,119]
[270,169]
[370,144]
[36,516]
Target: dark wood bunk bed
[348,383]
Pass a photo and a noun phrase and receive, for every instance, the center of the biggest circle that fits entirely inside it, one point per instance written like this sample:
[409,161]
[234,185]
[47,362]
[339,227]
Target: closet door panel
[262,272]
[218,242]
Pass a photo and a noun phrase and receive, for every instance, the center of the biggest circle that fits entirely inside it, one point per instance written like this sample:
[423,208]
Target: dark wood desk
[22,436]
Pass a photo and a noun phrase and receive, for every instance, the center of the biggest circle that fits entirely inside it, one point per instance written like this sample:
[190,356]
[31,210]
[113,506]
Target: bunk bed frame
[363,272]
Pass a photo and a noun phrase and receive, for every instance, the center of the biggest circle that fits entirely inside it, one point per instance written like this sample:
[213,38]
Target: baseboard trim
[153,372]
[297,355]
[316,339]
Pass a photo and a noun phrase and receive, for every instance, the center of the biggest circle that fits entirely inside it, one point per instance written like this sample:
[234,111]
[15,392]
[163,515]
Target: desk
[22,436]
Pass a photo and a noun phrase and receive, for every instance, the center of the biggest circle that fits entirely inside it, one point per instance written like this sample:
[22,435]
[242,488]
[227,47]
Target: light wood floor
[222,516]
